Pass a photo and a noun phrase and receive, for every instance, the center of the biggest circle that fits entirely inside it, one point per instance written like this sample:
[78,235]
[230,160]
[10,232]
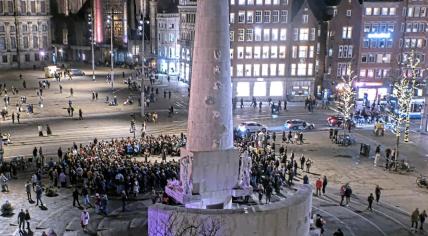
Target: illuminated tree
[403,92]
[346,95]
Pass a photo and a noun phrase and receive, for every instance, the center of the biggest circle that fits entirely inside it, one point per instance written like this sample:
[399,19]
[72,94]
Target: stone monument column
[153,25]
[210,160]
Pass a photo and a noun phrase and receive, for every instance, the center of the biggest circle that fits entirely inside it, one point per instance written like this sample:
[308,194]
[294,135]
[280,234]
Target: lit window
[257,51]
[265,53]
[266,17]
[258,34]
[347,32]
[275,16]
[384,11]
[293,70]
[392,11]
[276,89]
[248,52]
[376,11]
[249,34]
[259,89]
[258,16]
[241,17]
[276,2]
[311,51]
[241,35]
[294,52]
[241,2]
[268,2]
[250,16]
[284,16]
[232,35]
[248,70]
[274,34]
[303,51]
[272,69]
[256,69]
[301,69]
[310,69]
[369,11]
[265,69]
[240,52]
[266,35]
[305,18]
[250,2]
[362,73]
[281,51]
[281,70]
[273,52]
[304,34]
[239,70]
[283,34]
[348,12]
[243,89]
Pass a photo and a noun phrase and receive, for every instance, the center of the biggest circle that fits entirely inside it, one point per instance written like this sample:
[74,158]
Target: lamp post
[91,30]
[111,25]
[141,32]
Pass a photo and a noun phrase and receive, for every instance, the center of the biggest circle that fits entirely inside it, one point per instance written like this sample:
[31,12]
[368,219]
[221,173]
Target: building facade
[25,39]
[342,44]
[187,14]
[168,48]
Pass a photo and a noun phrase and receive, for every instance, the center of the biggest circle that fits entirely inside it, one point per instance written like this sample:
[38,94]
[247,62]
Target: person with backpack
[370,199]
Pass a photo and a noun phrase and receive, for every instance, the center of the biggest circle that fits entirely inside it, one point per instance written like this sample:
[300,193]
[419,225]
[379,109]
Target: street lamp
[141,32]
[91,30]
[111,25]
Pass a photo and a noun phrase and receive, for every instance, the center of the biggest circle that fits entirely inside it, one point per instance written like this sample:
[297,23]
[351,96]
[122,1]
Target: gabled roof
[317,7]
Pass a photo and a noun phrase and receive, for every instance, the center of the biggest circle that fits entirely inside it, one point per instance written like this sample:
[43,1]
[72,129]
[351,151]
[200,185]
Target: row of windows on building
[374,73]
[24,28]
[380,11]
[36,44]
[23,7]
[417,11]
[273,69]
[413,43]
[377,43]
[376,58]
[415,27]
[258,2]
[266,16]
[259,34]
[260,52]
[27,58]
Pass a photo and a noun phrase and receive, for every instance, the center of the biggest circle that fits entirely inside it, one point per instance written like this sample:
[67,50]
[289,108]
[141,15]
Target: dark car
[337,121]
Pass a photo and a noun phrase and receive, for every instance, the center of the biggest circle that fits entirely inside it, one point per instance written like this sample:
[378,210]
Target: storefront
[259,89]
[369,92]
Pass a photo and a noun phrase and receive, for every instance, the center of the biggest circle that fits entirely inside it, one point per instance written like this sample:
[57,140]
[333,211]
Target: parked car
[297,124]
[251,127]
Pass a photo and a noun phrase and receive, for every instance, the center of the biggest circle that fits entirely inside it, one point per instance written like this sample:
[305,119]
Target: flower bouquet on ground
[51,191]
[7,209]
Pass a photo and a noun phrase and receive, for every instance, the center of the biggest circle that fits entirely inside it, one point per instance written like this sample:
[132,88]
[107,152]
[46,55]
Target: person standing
[348,193]
[21,220]
[302,161]
[324,184]
[85,195]
[17,117]
[28,190]
[84,220]
[260,192]
[124,198]
[71,92]
[377,193]
[80,114]
[422,218]
[415,219]
[308,165]
[370,199]
[76,198]
[13,117]
[39,191]
[318,186]
[27,219]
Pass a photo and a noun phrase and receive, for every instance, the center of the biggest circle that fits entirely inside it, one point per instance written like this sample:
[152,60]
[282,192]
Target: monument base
[207,178]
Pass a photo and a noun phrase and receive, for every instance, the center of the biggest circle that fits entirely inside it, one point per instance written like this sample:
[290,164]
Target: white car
[77,72]
[251,127]
[297,124]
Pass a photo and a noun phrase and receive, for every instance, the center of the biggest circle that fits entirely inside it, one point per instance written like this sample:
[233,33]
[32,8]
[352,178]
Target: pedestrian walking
[13,117]
[308,165]
[348,193]
[318,186]
[305,179]
[27,220]
[260,191]
[370,200]
[40,129]
[377,193]
[24,84]
[342,194]
[60,89]
[85,195]
[17,117]
[169,94]
[21,220]
[415,220]
[48,130]
[80,114]
[422,218]
[71,92]
[84,220]
[324,184]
